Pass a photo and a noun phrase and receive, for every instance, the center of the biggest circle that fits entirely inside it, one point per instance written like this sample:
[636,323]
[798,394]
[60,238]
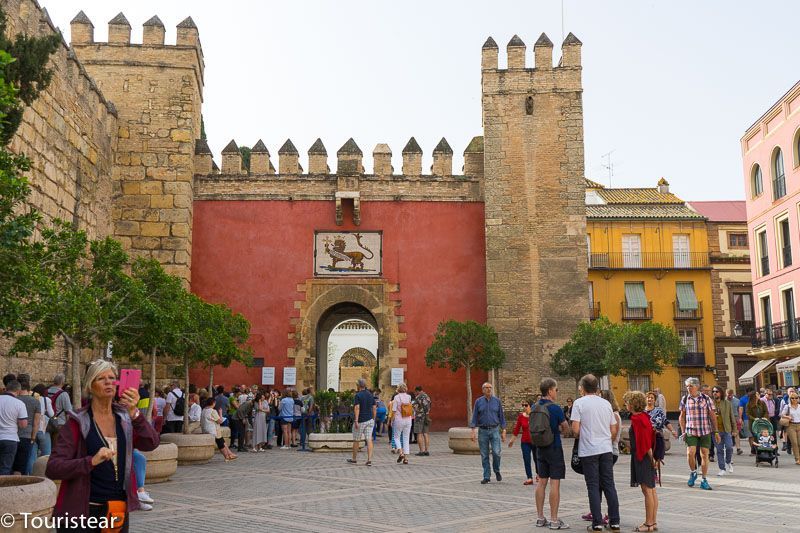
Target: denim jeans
[42,444]
[139,468]
[270,430]
[8,449]
[490,439]
[724,449]
[528,451]
[21,457]
[598,472]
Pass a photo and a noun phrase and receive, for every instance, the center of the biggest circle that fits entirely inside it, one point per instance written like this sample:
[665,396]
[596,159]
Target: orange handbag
[115,516]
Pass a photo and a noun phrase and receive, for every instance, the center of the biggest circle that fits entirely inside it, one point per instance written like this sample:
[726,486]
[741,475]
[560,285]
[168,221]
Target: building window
[785,243]
[636,306]
[766,311]
[778,175]
[737,240]
[680,250]
[797,148]
[640,383]
[756,182]
[689,339]
[632,250]
[788,305]
[763,252]
[258,361]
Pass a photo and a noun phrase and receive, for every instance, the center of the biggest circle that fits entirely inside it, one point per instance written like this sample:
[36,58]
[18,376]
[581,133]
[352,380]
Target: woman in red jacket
[93,454]
[643,464]
[528,449]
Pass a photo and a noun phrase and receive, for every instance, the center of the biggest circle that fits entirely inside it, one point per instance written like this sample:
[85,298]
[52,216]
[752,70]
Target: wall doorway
[343,328]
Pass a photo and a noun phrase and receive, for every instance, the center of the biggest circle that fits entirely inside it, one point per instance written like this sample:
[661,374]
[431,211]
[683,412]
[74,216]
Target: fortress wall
[69,134]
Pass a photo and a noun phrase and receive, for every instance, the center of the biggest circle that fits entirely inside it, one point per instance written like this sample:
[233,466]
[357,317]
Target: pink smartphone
[129,378]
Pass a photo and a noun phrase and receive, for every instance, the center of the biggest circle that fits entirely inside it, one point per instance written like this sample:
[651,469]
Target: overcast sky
[669,87]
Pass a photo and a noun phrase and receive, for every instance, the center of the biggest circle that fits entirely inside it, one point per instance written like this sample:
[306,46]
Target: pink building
[771,157]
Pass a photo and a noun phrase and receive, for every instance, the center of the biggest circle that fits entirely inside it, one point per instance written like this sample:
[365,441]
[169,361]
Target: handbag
[785,421]
[115,516]
[406,410]
[575,462]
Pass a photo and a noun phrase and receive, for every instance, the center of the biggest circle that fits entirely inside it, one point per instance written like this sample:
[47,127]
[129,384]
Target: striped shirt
[698,421]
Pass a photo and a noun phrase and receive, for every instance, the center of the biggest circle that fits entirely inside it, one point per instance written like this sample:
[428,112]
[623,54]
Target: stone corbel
[339,214]
[357,211]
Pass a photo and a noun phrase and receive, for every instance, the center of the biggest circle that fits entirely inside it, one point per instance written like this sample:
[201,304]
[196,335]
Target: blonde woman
[792,411]
[643,464]
[210,422]
[401,423]
[93,453]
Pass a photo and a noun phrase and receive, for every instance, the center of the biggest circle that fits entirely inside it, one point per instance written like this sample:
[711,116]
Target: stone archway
[378,297]
[356,363]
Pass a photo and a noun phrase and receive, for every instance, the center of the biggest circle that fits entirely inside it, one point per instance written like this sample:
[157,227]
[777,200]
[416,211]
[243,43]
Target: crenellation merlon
[232,159]
[153,32]
[543,77]
[259,159]
[119,30]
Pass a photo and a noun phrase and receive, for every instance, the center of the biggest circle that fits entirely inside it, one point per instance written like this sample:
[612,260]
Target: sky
[669,87]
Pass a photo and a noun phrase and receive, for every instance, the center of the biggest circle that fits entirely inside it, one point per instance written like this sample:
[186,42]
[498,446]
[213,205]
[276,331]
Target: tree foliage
[245,151]
[585,352]
[643,348]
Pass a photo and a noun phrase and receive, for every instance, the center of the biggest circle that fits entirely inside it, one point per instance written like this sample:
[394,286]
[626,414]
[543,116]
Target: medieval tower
[536,264]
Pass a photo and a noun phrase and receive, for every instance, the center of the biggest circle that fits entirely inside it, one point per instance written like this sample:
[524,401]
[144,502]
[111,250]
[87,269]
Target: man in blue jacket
[488,420]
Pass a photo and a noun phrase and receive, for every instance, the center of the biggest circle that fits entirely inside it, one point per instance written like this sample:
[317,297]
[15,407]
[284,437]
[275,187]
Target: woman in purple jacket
[92,455]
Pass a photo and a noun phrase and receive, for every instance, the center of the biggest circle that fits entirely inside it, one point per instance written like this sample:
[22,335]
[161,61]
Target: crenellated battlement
[119,31]
[349,161]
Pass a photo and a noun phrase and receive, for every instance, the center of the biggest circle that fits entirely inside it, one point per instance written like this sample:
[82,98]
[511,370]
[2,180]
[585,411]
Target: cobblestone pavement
[283,490]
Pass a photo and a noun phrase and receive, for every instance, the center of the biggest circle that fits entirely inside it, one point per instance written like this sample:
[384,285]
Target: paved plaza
[282,490]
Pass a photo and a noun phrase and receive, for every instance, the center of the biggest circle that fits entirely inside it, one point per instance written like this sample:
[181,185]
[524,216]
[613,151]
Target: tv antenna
[608,165]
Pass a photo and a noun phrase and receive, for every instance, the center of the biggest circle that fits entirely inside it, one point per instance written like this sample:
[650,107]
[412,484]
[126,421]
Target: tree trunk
[152,384]
[186,396]
[469,395]
[211,380]
[75,354]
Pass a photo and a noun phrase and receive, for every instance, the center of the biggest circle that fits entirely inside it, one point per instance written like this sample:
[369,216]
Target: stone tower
[536,259]
[157,90]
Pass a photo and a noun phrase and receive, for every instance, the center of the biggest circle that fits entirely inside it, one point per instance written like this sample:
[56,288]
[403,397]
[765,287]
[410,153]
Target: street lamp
[737,329]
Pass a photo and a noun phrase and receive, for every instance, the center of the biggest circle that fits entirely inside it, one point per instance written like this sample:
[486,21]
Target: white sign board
[268,375]
[289,375]
[397,376]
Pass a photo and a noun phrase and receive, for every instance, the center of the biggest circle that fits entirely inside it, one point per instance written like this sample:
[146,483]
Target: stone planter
[192,448]
[226,436]
[332,442]
[26,494]
[40,466]
[161,463]
[460,441]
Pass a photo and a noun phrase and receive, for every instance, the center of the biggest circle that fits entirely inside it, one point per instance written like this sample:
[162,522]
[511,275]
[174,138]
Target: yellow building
[649,260]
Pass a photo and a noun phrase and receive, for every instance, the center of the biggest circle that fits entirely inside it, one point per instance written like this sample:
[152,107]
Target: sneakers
[587,517]
[484,481]
[692,479]
[729,467]
[542,522]
[614,527]
[498,476]
[145,506]
[285,448]
[144,497]
[557,524]
[721,473]
[704,484]
[739,451]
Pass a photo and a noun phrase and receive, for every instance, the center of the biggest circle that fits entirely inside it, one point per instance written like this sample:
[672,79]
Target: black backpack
[541,432]
[180,404]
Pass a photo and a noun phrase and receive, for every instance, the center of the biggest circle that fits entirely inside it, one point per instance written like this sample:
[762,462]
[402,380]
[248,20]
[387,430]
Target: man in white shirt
[594,424]
[13,417]
[174,422]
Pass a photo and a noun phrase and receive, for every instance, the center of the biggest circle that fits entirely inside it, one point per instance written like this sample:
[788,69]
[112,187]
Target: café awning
[748,378]
[789,366]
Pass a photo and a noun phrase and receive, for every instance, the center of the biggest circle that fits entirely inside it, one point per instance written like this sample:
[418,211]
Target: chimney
[543,53]
[382,160]
[187,34]
[232,159]
[318,158]
[663,186]
[119,30]
[203,158]
[81,29]
[259,159]
[412,158]
[473,158]
[153,32]
[442,159]
[516,53]
[288,159]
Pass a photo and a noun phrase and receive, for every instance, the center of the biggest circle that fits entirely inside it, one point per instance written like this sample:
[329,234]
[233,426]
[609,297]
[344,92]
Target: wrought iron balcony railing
[594,310]
[692,359]
[776,334]
[637,313]
[688,314]
[649,260]
[747,327]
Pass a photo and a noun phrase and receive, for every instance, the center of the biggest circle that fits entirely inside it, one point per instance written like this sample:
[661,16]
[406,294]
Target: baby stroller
[764,454]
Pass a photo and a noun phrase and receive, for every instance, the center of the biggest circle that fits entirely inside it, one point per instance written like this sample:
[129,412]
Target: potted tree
[471,346]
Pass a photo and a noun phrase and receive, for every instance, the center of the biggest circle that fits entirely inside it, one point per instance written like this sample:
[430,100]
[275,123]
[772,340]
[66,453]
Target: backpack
[180,404]
[52,423]
[541,432]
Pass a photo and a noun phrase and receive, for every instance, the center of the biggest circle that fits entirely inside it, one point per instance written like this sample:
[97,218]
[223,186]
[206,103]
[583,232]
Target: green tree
[245,151]
[468,345]
[643,348]
[586,351]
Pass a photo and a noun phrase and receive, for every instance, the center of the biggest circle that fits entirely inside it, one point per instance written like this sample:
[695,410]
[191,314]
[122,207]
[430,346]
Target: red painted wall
[253,254]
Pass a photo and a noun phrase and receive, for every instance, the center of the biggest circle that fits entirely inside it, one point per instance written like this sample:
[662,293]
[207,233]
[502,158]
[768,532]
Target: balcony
[649,260]
[629,313]
[748,327]
[594,311]
[776,334]
[688,314]
[692,359]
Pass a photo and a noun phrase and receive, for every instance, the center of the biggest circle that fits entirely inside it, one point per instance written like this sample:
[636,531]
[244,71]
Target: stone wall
[69,134]
[536,264]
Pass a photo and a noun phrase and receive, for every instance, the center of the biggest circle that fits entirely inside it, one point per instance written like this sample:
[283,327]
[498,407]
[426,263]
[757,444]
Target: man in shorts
[550,459]
[364,411]
[698,422]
